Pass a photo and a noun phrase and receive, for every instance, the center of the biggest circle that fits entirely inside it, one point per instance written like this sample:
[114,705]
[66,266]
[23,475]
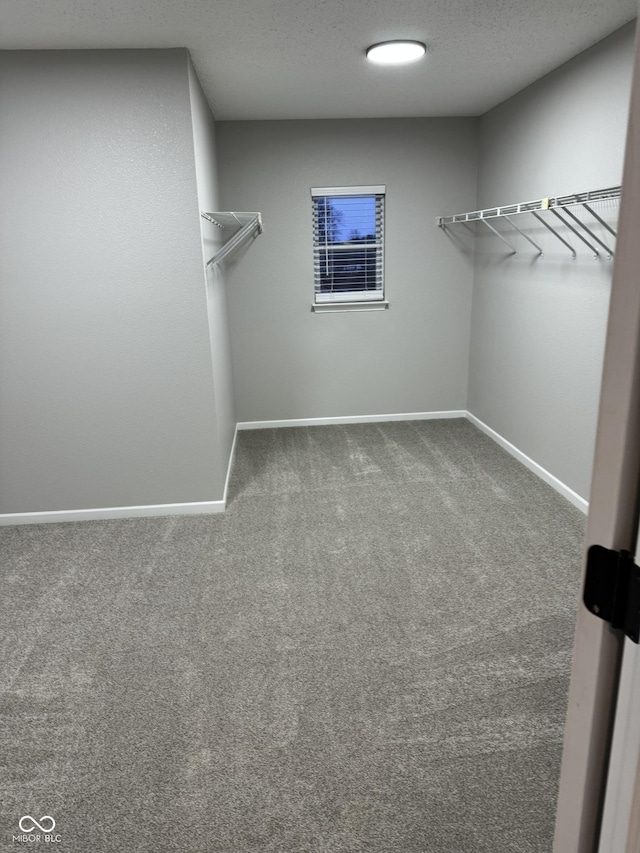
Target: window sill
[337,307]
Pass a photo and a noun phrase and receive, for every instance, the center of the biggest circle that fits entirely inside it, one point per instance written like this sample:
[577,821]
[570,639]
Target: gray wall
[115,360]
[204,138]
[105,365]
[538,326]
[291,363]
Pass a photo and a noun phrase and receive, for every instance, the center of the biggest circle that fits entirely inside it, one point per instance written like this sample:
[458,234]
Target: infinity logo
[29,827]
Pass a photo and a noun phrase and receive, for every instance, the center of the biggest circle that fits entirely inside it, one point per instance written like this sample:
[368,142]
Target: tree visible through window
[348,240]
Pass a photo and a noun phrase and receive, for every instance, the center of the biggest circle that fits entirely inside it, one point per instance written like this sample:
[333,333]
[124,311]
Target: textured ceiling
[277,59]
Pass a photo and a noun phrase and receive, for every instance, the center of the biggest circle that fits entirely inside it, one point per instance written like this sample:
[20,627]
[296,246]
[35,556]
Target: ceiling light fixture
[396,52]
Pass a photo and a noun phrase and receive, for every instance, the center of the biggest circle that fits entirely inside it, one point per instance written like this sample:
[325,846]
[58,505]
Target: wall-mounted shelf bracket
[576,232]
[526,236]
[498,234]
[600,220]
[555,233]
[593,236]
[242,225]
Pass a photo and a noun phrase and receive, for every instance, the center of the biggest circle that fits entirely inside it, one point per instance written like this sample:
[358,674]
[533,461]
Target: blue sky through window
[357,216]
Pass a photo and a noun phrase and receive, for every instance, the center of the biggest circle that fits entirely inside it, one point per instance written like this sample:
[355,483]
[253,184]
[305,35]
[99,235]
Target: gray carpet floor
[369,651]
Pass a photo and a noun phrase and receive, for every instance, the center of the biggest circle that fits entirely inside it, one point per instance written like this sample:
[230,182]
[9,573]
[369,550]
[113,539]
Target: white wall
[291,363]
[204,138]
[106,382]
[538,326]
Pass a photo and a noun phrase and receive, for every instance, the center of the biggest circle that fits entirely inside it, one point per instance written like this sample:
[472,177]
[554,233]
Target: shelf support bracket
[526,236]
[576,232]
[498,234]
[593,236]
[600,220]
[555,233]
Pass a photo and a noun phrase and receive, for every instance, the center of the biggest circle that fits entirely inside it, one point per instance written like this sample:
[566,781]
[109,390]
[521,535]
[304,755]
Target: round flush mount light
[396,52]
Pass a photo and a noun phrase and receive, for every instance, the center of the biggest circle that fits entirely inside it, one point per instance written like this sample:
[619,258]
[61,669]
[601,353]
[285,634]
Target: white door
[613,513]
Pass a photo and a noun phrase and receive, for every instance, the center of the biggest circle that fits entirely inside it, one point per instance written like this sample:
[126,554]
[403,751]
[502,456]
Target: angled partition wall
[126,385]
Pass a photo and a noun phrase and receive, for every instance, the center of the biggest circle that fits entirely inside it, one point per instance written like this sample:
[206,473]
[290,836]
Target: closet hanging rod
[582,198]
[246,225]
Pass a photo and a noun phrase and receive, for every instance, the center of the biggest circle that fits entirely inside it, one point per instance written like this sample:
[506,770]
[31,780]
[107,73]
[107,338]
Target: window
[348,244]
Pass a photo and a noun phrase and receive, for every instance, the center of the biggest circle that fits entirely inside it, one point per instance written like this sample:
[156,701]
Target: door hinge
[612,589]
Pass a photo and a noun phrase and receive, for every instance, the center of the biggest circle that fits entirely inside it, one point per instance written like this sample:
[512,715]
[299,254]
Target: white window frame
[360,300]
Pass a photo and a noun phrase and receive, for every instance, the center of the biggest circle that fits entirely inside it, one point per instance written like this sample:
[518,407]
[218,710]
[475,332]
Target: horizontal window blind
[348,241]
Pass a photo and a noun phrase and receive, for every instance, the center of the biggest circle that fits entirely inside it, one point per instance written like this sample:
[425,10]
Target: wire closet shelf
[560,208]
[244,225]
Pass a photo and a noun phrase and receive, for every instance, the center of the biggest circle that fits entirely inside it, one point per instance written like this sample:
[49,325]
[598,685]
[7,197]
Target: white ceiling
[279,59]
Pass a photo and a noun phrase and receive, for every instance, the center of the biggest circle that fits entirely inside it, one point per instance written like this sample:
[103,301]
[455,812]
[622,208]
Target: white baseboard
[557,484]
[209,507]
[196,508]
[192,508]
[351,419]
